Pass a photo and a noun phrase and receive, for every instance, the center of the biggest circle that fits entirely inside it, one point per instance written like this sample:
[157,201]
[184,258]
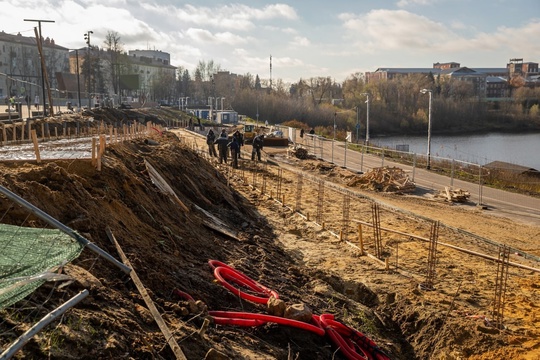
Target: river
[521,149]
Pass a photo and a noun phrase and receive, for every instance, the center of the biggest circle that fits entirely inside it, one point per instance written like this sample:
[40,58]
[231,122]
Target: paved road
[496,202]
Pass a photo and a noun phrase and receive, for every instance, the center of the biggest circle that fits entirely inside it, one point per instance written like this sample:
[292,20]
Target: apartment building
[486,82]
[20,65]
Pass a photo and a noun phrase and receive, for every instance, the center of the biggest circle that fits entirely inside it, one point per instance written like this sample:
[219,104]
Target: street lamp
[87,39]
[222,103]
[367,117]
[430,92]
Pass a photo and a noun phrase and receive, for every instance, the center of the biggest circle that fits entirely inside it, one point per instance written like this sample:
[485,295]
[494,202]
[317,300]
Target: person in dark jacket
[240,140]
[222,142]
[258,142]
[301,133]
[210,138]
[235,152]
[312,131]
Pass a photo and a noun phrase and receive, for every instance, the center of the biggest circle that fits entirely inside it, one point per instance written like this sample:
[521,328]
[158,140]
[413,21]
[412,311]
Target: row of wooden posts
[21,131]
[99,143]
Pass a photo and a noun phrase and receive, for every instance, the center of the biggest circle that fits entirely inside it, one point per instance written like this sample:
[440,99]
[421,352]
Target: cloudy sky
[306,38]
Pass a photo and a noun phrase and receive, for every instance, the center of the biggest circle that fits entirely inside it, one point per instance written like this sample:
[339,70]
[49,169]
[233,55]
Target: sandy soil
[302,261]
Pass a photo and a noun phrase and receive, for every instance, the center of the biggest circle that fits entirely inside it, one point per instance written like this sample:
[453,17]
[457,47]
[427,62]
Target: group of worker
[235,145]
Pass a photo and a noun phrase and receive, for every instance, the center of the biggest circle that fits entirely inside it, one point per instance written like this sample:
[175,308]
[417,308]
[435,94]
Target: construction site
[161,252]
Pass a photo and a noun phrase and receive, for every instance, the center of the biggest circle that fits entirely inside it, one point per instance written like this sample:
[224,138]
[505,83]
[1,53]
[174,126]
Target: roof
[409,70]
[491,70]
[28,40]
[505,166]
[495,79]
[461,70]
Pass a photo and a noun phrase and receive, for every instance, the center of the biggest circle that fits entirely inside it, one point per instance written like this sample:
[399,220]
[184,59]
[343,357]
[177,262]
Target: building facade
[20,65]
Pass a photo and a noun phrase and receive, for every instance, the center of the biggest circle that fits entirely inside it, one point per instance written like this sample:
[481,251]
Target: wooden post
[283,202]
[14,135]
[56,132]
[307,216]
[360,238]
[340,235]
[22,131]
[42,131]
[4,134]
[323,225]
[94,161]
[387,264]
[102,145]
[36,147]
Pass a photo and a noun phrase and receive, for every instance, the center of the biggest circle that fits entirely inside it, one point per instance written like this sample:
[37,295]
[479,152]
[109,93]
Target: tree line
[396,106]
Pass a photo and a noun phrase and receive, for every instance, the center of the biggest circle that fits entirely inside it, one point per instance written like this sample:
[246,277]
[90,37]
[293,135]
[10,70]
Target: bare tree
[114,48]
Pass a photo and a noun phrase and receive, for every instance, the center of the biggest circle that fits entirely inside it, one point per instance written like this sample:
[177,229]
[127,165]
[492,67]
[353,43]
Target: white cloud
[405,3]
[395,29]
[300,41]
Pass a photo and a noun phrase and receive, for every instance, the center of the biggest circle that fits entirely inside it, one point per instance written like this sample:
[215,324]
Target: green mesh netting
[26,254]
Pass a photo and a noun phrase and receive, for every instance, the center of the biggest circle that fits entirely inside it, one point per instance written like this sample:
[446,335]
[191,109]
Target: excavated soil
[169,249]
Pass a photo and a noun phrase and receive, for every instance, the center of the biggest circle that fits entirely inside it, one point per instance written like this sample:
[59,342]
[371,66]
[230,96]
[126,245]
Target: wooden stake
[169,337]
[36,147]
[94,160]
[360,238]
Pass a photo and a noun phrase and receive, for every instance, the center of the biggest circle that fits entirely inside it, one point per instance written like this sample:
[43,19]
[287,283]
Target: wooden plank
[162,185]
[149,303]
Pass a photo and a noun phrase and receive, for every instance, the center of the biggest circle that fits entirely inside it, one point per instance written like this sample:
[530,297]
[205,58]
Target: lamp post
[222,103]
[78,82]
[367,117]
[430,92]
[87,39]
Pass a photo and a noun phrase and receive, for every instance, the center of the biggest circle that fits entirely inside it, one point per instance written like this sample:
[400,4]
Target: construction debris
[385,179]
[301,153]
[453,195]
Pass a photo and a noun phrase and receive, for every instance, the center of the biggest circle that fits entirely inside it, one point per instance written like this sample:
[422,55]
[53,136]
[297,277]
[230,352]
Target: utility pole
[40,45]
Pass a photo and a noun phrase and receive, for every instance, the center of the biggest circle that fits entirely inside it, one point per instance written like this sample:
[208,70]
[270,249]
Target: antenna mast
[270,72]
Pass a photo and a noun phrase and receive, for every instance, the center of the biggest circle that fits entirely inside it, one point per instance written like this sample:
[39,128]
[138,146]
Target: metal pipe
[67,230]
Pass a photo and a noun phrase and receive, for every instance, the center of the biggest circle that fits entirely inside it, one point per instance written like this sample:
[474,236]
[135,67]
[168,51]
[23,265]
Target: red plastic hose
[225,274]
[353,344]
[183,294]
[242,319]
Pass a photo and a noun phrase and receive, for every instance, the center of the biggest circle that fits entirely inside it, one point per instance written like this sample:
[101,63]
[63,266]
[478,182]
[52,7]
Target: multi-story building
[20,65]
[486,82]
[144,75]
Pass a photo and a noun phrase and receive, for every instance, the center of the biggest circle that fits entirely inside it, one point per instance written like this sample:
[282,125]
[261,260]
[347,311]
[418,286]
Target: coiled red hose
[352,343]
[226,274]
